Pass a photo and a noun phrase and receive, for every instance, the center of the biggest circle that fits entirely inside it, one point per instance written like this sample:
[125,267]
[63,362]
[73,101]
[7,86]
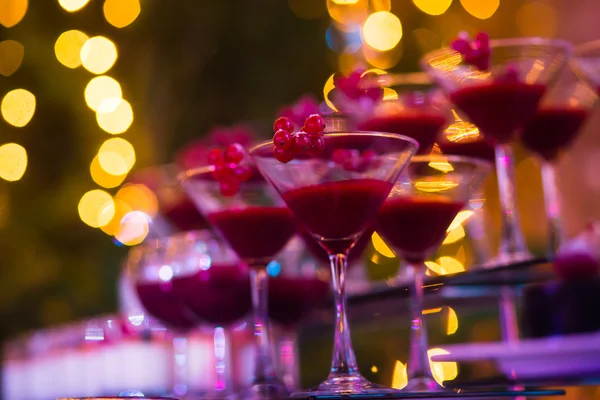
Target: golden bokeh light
[120,13]
[399,376]
[96,208]
[103,178]
[433,7]
[381,247]
[13,162]
[327,89]
[454,235]
[72,5]
[116,156]
[134,228]
[68,48]
[121,209]
[18,107]
[442,371]
[348,12]
[101,88]
[114,115]
[382,30]
[11,57]
[383,59]
[537,18]
[380,5]
[460,219]
[139,198]
[482,9]
[12,12]
[98,54]
[452,325]
[450,265]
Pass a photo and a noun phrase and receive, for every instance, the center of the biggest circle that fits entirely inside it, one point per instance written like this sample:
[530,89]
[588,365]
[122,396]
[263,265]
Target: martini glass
[335,204]
[413,221]
[499,102]
[555,126]
[586,63]
[257,225]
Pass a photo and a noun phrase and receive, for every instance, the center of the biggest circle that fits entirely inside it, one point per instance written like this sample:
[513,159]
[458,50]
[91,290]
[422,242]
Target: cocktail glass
[413,221]
[257,225]
[335,202]
[555,126]
[499,102]
[586,63]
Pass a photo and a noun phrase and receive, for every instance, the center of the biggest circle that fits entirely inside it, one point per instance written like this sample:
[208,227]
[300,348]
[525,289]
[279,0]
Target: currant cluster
[353,86]
[354,161]
[476,52]
[309,140]
[228,170]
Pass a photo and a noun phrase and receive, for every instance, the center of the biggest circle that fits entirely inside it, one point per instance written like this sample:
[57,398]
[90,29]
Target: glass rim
[508,42]
[450,158]
[389,135]
[398,79]
[591,45]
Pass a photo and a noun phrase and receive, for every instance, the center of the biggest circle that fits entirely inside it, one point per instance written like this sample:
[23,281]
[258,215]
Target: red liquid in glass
[415,226]
[292,298]
[320,254]
[499,108]
[185,216]
[552,130]
[220,295]
[338,211]
[256,234]
[424,127]
[161,301]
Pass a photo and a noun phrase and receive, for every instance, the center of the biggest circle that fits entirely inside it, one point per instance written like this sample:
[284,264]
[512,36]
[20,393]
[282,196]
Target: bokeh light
[103,178]
[454,235]
[101,88]
[98,54]
[327,89]
[96,208]
[381,247]
[72,5]
[18,107]
[442,371]
[433,7]
[139,198]
[68,48]
[116,156]
[12,12]
[13,162]
[482,9]
[120,13]
[11,57]
[537,18]
[380,5]
[114,116]
[134,228]
[452,325]
[383,59]
[382,30]
[399,376]
[348,12]
[121,209]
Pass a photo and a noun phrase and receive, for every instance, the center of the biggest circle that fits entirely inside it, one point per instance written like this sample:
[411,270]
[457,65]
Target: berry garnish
[309,141]
[284,124]
[476,52]
[299,111]
[227,169]
[354,161]
[353,87]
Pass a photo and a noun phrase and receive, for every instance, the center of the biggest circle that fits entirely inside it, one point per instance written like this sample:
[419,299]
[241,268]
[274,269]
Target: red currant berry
[351,161]
[283,155]
[221,173]
[283,123]
[216,157]
[302,143]
[317,145]
[283,139]
[229,187]
[234,153]
[314,124]
[242,173]
[339,156]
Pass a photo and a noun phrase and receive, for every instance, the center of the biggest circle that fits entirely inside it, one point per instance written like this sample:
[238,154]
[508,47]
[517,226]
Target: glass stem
[552,203]
[220,350]
[180,349]
[344,361]
[264,370]
[288,360]
[512,244]
[418,359]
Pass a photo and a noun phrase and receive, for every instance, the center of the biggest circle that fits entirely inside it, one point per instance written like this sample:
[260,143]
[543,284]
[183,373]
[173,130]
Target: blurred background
[93,90]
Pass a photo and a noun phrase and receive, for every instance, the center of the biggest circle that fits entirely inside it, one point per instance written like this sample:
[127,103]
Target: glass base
[509,258]
[424,384]
[345,385]
[269,390]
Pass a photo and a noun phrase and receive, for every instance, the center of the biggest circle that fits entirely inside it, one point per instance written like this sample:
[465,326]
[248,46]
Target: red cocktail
[164,304]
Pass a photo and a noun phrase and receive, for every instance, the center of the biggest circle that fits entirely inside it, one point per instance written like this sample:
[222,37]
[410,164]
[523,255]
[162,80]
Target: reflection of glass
[336,202]
[500,101]
[555,126]
[257,226]
[413,220]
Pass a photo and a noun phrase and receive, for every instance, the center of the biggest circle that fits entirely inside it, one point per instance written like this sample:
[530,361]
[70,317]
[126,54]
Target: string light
[120,13]
[433,7]
[68,48]
[18,107]
[482,9]
[98,54]
[103,178]
[72,5]
[12,12]
[96,208]
[116,156]
[134,228]
[101,88]
[11,57]
[382,30]
[114,115]
[13,162]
